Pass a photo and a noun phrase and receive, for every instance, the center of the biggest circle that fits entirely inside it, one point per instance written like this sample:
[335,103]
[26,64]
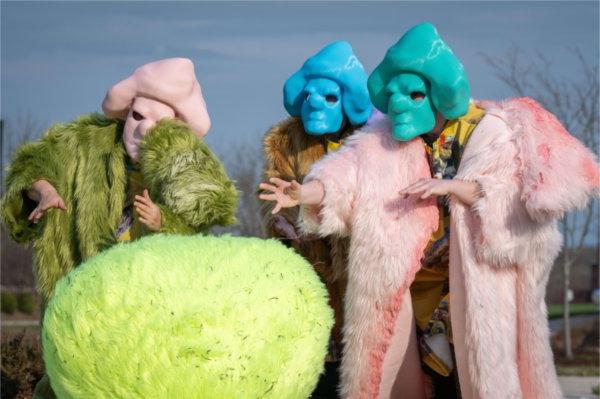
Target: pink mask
[161,89]
[143,115]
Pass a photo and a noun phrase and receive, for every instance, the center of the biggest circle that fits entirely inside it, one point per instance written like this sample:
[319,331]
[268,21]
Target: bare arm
[290,194]
[466,192]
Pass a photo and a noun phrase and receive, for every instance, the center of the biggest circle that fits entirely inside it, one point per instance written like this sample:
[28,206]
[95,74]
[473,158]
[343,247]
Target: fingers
[268,197]
[265,186]
[144,221]
[61,204]
[426,194]
[33,216]
[144,200]
[280,183]
[295,185]
[414,188]
[143,213]
[276,209]
[146,195]
[144,206]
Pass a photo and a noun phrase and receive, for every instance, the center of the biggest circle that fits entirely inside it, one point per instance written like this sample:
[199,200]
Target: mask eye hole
[417,96]
[331,98]
[137,116]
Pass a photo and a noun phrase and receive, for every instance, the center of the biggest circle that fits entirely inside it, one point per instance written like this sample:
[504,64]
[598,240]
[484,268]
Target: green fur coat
[85,161]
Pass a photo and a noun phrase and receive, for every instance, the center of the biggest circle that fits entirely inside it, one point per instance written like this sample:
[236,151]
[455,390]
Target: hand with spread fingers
[466,191]
[47,197]
[290,194]
[148,212]
[285,193]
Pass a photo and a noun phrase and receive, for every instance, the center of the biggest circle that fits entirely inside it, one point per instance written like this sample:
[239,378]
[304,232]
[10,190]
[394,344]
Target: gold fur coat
[289,154]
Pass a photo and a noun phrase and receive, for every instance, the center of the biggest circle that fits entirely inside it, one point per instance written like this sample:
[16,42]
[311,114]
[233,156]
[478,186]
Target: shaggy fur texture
[387,237]
[85,161]
[289,154]
[501,249]
[188,317]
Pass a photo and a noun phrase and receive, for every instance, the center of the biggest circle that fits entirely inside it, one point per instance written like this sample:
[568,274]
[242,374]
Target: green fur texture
[85,161]
[188,317]
[187,176]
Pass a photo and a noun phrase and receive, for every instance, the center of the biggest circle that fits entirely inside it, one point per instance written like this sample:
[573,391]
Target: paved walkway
[579,387]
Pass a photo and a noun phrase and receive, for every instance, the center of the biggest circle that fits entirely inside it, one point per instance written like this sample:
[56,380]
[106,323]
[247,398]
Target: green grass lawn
[556,311]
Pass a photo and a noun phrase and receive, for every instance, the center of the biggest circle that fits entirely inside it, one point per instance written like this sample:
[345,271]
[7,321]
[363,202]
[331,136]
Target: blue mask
[331,85]
[410,107]
[322,107]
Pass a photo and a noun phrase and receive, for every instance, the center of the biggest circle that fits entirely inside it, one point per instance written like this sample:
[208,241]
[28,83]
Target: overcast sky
[58,58]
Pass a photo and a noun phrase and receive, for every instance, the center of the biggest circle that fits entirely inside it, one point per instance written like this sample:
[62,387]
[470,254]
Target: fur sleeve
[32,161]
[559,173]
[337,173]
[186,177]
[491,159]
[289,153]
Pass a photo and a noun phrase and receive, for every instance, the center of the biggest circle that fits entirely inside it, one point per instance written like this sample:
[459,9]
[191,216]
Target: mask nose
[316,100]
[145,126]
[398,103]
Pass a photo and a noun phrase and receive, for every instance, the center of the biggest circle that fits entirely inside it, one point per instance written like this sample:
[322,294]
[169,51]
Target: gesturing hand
[426,188]
[48,198]
[148,212]
[286,194]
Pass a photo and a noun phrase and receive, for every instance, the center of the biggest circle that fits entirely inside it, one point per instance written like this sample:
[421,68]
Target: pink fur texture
[559,173]
[388,237]
[502,248]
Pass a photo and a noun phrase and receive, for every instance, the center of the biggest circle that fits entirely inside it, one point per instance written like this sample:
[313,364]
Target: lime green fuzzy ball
[188,317]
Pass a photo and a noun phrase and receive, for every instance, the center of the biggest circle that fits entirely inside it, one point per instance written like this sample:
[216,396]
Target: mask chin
[423,121]
[320,128]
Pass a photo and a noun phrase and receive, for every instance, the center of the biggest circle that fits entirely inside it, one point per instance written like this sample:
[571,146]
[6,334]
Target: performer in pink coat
[508,172]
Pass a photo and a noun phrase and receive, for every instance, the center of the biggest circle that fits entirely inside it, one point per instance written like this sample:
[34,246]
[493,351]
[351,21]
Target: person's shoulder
[90,128]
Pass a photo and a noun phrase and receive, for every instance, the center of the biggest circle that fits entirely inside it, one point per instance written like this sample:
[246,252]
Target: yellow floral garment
[129,227]
[429,291]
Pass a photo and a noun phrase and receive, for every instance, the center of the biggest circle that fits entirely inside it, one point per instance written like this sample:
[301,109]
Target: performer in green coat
[142,168]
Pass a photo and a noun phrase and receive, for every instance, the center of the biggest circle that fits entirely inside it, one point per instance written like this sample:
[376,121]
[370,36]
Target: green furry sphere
[188,317]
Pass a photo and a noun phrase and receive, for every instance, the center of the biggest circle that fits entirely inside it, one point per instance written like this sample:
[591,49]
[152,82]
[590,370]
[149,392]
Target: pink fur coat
[502,248]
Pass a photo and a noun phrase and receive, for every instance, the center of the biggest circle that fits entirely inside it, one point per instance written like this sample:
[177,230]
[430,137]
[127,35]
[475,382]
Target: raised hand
[47,197]
[286,194]
[148,212]
[466,191]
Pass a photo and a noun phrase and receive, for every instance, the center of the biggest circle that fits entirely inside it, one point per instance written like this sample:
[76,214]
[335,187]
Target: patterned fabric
[333,145]
[129,227]
[430,290]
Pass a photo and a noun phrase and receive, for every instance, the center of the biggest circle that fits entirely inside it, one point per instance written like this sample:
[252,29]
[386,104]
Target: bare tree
[574,100]
[244,165]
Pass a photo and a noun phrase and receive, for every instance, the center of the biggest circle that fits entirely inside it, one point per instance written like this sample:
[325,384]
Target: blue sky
[58,58]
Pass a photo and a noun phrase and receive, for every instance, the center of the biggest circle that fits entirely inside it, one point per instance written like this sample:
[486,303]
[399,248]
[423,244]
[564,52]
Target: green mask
[409,107]
[421,60]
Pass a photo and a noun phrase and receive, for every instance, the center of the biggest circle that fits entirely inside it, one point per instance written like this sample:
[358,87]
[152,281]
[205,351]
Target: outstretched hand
[148,212]
[465,191]
[47,197]
[286,194]
[426,188]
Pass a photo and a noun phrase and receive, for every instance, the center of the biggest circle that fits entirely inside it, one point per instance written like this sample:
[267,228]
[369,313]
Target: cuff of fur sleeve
[330,217]
[173,224]
[495,242]
[16,208]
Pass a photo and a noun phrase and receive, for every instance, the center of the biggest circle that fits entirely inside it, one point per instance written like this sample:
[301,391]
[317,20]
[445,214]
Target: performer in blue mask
[327,99]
